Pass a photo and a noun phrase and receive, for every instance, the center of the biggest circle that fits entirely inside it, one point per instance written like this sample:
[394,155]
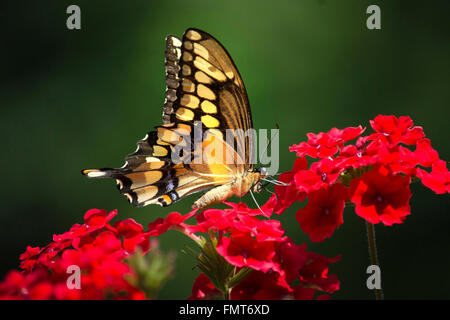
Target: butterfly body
[240,187]
[204,93]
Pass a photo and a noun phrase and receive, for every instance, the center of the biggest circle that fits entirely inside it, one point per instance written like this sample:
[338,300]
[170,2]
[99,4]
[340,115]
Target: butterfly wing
[149,175]
[224,101]
[202,87]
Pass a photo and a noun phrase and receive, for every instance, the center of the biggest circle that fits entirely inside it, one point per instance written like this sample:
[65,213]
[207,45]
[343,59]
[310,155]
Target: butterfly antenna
[276,174]
[276,182]
[254,199]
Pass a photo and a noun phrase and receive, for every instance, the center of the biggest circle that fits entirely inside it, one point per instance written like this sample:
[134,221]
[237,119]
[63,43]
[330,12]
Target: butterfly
[204,91]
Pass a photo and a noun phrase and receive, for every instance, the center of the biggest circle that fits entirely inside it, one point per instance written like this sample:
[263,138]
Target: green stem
[239,276]
[226,294]
[373,254]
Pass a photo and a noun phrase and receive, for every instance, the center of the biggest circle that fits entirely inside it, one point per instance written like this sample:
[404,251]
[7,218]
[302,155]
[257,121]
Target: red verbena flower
[288,194]
[239,218]
[322,173]
[292,258]
[424,154]
[133,235]
[96,248]
[266,210]
[173,220]
[324,212]
[203,289]
[241,250]
[324,145]
[94,219]
[395,130]
[314,273]
[438,179]
[260,286]
[358,155]
[311,270]
[380,196]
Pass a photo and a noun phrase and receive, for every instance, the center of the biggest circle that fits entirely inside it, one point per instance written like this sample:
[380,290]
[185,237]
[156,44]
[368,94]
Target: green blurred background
[79,99]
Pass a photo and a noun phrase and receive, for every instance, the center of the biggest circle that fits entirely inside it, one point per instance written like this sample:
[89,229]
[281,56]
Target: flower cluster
[97,248]
[373,174]
[240,250]
[243,253]
[236,247]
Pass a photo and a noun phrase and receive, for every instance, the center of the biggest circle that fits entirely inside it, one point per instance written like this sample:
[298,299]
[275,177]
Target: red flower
[302,293]
[265,230]
[173,220]
[439,178]
[241,250]
[292,258]
[324,145]
[425,154]
[203,289]
[133,235]
[260,286]
[215,219]
[322,173]
[357,155]
[19,286]
[108,242]
[95,247]
[395,130]
[94,219]
[238,219]
[266,209]
[397,159]
[381,196]
[264,286]
[314,273]
[287,195]
[324,212]
[29,257]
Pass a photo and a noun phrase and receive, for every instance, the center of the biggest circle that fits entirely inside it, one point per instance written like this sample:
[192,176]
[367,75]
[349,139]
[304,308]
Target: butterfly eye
[263,172]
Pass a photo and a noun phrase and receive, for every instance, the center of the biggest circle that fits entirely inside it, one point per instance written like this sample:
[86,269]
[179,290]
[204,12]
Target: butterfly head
[262,172]
[259,174]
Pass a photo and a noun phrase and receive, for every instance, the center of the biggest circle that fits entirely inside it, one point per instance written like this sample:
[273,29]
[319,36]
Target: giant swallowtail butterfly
[203,87]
